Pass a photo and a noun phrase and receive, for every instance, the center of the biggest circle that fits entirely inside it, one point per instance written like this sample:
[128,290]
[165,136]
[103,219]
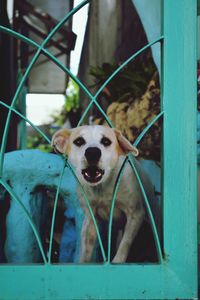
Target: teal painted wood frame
[176,276]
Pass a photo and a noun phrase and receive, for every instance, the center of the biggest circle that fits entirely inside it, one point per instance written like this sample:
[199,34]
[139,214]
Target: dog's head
[93,150]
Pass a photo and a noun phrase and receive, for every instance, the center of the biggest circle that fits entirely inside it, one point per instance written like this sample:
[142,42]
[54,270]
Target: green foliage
[36,141]
[72,98]
[130,83]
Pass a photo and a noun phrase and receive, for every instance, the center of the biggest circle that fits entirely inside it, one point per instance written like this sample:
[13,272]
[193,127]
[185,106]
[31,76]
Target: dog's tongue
[92,174]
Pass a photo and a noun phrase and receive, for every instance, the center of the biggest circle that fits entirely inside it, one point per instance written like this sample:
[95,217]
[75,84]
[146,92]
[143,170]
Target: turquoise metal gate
[175,275]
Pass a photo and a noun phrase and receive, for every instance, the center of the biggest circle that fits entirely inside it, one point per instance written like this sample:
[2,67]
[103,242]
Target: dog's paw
[118,259]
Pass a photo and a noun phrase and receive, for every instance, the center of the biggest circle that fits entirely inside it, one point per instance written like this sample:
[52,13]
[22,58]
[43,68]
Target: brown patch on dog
[60,140]
[124,144]
[68,149]
[119,149]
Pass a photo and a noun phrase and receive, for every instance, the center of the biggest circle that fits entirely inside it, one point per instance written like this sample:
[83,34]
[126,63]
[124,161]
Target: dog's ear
[124,144]
[60,140]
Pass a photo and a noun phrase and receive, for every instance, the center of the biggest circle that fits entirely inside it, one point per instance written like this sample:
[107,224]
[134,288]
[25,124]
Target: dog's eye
[106,142]
[79,141]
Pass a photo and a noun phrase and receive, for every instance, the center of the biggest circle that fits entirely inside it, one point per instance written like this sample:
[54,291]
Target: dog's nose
[92,155]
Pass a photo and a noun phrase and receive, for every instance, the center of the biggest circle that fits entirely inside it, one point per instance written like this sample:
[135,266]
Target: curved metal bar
[16,198]
[141,135]
[46,40]
[94,101]
[48,54]
[11,108]
[61,66]
[54,214]
[90,210]
[117,182]
[27,120]
[155,232]
[126,62]
[116,188]
[5,134]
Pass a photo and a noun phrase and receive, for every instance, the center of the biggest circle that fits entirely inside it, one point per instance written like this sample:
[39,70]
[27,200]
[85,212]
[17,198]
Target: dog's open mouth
[93,174]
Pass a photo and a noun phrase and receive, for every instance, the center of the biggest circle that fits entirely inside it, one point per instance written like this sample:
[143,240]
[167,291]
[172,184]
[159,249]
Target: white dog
[97,153]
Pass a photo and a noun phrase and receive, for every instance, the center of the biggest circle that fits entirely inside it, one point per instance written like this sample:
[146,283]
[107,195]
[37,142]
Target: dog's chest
[101,201]
[103,206]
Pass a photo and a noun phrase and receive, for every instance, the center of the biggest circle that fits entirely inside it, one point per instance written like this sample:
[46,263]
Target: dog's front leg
[88,239]
[133,223]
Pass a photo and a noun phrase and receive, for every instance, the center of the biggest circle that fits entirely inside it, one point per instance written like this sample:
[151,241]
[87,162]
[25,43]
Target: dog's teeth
[92,174]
